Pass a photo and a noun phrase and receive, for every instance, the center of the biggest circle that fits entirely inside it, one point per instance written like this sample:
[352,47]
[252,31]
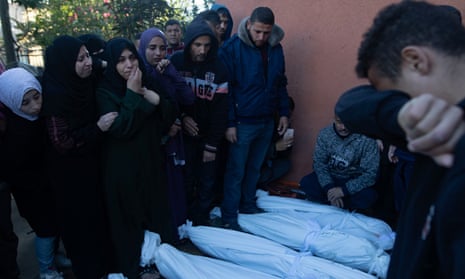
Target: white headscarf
[14,84]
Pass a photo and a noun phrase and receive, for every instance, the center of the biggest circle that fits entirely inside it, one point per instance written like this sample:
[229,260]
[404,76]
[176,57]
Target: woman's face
[155,51]
[127,62]
[83,63]
[32,102]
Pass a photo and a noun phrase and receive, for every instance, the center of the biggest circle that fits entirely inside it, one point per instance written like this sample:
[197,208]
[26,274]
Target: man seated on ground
[345,168]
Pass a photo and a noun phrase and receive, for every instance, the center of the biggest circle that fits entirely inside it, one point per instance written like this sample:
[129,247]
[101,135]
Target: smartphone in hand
[289,133]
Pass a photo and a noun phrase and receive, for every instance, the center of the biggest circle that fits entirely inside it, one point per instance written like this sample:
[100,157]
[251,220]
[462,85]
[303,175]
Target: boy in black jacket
[417,47]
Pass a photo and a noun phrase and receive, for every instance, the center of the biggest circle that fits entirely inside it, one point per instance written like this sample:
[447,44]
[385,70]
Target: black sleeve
[367,111]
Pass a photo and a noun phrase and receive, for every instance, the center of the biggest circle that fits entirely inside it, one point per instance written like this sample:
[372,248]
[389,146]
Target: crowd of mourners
[118,137]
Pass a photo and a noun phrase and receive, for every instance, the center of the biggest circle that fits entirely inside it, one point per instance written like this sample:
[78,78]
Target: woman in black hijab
[95,46]
[136,198]
[75,133]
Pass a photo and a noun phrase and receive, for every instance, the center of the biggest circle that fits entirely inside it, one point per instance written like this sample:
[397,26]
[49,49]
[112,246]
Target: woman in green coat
[136,197]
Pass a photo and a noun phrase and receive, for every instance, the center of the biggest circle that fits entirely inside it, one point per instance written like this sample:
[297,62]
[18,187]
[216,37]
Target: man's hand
[174,129]
[391,154]
[231,134]
[432,126]
[208,156]
[283,124]
[284,143]
[335,193]
[338,202]
[190,126]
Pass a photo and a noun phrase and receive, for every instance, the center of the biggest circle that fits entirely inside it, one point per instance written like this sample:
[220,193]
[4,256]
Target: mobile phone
[289,133]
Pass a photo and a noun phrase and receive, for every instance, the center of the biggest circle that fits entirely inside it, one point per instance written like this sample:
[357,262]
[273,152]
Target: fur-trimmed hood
[277,34]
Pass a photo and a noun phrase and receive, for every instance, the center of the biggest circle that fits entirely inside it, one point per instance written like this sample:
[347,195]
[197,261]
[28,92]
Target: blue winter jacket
[255,97]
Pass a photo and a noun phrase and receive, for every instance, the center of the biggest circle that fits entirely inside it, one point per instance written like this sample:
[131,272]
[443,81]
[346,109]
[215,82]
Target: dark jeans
[360,200]
[245,160]
[199,180]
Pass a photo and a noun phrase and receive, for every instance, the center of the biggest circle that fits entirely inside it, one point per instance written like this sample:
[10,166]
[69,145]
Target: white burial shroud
[331,217]
[265,255]
[308,236]
[174,264]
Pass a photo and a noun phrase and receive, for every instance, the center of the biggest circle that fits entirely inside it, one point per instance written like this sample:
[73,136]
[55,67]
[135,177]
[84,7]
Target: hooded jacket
[209,82]
[255,95]
[353,159]
[222,8]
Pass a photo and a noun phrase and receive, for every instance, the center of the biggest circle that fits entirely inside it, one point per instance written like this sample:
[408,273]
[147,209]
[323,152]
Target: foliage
[108,18]
[131,17]
[66,17]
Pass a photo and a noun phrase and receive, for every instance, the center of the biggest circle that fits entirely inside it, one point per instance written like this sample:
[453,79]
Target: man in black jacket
[207,76]
[416,47]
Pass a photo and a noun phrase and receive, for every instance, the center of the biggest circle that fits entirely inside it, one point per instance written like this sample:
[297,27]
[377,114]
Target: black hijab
[112,80]
[65,94]
[94,43]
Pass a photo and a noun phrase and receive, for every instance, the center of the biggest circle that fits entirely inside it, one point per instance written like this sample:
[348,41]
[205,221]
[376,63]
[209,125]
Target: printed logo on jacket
[206,88]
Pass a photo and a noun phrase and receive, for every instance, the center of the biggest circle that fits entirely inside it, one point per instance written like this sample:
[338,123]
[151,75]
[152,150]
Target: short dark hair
[172,22]
[403,24]
[263,15]
[210,16]
[454,12]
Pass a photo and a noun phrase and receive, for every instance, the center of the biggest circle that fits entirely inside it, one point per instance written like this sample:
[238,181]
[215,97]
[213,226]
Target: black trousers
[8,239]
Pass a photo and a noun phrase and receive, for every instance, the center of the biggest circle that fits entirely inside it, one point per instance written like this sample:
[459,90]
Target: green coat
[135,194]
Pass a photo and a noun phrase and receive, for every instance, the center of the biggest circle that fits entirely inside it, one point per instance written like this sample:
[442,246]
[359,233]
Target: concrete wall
[320,46]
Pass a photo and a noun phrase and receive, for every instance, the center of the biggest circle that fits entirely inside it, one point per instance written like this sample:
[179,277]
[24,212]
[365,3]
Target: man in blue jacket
[255,61]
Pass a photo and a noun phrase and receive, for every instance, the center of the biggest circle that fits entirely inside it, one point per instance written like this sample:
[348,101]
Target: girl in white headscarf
[22,139]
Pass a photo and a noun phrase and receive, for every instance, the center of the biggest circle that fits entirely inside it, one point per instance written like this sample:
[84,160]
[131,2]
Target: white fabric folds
[375,230]
[305,235]
[264,255]
[174,264]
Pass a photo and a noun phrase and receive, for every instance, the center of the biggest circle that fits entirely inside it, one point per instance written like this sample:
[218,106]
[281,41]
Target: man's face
[173,34]
[259,32]
[199,48]
[224,22]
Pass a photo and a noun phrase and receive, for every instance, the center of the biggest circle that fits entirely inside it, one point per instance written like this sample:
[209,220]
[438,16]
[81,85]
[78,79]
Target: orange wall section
[320,47]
